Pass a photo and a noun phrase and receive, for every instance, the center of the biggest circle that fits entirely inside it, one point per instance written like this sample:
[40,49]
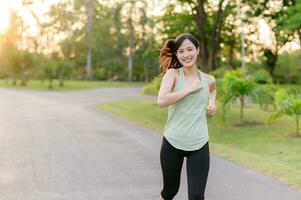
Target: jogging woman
[190,94]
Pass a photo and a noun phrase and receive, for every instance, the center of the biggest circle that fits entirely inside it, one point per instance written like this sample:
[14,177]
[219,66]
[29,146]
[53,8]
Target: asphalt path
[59,146]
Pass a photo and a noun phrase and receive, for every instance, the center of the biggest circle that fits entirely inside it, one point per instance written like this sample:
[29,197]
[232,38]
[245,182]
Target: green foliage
[113,26]
[265,95]
[219,73]
[262,76]
[288,68]
[153,87]
[292,89]
[289,105]
[237,85]
[176,23]
[25,64]
[64,70]
[290,20]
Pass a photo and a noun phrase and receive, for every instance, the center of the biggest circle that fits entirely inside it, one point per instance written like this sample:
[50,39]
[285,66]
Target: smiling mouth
[187,60]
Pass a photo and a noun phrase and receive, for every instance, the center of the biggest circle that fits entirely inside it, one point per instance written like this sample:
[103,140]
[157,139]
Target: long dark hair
[168,58]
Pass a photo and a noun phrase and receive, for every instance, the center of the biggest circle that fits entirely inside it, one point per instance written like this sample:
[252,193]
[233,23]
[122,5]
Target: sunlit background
[132,31]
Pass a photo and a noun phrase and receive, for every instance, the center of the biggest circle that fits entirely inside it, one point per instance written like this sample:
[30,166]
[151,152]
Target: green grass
[69,85]
[272,150]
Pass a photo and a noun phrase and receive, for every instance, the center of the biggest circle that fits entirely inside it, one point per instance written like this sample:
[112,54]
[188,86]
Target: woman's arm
[166,97]
[211,108]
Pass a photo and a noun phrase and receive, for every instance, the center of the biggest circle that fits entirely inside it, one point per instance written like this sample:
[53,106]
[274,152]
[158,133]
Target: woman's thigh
[171,164]
[197,172]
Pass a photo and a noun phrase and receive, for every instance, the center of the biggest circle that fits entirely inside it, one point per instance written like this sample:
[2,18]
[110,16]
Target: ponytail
[168,58]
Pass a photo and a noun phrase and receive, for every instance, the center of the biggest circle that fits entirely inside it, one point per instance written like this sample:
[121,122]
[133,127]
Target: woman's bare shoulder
[171,73]
[209,77]
[211,81]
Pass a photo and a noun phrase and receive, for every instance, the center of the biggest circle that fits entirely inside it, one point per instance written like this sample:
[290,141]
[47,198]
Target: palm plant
[266,96]
[237,86]
[289,105]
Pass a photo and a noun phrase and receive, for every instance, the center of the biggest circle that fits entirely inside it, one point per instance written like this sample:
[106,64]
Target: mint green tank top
[186,126]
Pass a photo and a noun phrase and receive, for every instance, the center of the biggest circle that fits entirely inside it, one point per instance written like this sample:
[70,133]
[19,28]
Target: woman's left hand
[211,109]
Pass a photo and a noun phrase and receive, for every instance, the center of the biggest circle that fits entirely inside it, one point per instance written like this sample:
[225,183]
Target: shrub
[289,105]
[236,85]
[265,95]
[262,76]
[153,87]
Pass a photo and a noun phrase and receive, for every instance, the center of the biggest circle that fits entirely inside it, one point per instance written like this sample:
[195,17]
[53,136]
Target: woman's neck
[190,71]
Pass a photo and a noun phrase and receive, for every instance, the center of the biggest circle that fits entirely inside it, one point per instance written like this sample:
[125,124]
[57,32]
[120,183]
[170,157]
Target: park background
[251,47]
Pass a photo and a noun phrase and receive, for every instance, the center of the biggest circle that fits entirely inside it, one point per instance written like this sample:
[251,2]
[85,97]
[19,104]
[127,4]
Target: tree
[146,52]
[266,9]
[26,64]
[237,85]
[11,51]
[290,19]
[210,37]
[89,8]
[132,11]
[209,21]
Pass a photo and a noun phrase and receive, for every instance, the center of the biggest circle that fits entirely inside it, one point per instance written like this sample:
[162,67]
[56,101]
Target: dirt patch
[294,136]
[247,124]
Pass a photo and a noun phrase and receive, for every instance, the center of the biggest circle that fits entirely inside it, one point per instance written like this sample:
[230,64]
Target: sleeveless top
[186,126]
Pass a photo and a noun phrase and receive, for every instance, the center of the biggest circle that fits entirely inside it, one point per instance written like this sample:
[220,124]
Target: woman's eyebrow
[185,48]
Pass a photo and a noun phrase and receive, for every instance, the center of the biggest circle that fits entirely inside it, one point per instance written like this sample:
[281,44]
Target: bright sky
[39,7]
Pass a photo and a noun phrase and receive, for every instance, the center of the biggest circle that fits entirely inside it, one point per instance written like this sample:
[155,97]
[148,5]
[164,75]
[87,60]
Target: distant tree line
[120,40]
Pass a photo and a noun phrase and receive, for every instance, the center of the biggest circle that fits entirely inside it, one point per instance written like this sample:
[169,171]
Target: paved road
[58,146]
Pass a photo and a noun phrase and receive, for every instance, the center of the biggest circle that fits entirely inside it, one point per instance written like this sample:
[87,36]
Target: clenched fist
[211,109]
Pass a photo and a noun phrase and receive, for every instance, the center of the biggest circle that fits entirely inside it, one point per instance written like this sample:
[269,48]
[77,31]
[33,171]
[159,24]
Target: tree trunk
[131,47]
[200,18]
[215,38]
[208,51]
[23,74]
[271,60]
[297,125]
[146,78]
[61,84]
[242,103]
[231,55]
[14,80]
[130,65]
[299,33]
[89,37]
[50,87]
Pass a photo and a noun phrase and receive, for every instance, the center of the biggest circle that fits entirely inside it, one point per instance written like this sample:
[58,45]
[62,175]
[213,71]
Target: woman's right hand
[195,86]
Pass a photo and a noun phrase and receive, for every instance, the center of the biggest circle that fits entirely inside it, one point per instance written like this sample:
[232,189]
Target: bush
[265,95]
[218,73]
[237,85]
[288,105]
[262,76]
[100,74]
[153,87]
[288,68]
[292,89]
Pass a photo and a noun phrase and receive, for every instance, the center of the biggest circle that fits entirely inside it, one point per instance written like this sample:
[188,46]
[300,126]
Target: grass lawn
[272,150]
[69,85]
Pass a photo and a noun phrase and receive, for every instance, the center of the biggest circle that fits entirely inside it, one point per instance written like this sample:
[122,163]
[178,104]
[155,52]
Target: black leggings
[197,170]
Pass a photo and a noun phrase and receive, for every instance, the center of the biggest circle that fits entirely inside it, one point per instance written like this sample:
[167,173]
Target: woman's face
[187,53]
